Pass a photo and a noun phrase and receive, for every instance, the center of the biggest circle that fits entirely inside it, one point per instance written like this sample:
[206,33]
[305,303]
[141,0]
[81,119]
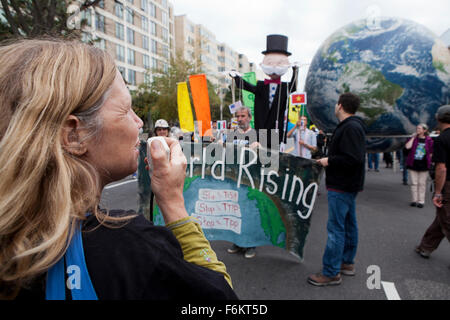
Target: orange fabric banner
[200,97]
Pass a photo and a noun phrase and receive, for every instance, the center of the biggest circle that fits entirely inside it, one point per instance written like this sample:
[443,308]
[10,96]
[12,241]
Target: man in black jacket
[344,179]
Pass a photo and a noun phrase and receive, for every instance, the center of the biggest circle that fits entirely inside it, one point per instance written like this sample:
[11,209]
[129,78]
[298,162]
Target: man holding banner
[244,116]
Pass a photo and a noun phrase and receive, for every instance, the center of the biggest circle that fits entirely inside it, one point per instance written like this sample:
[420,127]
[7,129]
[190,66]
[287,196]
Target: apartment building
[198,44]
[139,34]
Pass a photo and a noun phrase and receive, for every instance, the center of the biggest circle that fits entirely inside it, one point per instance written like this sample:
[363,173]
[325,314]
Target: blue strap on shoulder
[81,287]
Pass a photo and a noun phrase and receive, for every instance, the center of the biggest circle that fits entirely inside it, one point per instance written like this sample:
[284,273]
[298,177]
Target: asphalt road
[389,229]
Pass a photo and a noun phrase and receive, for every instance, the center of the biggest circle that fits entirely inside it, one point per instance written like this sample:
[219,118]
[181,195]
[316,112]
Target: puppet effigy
[271,95]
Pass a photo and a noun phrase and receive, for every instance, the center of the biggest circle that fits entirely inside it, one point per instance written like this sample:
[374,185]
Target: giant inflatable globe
[400,70]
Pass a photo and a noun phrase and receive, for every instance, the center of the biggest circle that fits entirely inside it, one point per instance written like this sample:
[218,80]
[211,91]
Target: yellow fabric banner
[184,108]
[200,97]
[293,112]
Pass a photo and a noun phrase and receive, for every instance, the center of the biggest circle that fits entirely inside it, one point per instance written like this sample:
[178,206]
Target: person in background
[344,170]
[162,128]
[373,161]
[402,155]
[305,143]
[321,140]
[387,157]
[440,228]
[418,162]
[244,116]
[68,129]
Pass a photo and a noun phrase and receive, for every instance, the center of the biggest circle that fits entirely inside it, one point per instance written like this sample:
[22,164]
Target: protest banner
[251,197]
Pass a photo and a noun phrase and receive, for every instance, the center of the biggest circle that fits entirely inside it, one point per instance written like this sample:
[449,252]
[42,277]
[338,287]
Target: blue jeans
[372,158]
[342,230]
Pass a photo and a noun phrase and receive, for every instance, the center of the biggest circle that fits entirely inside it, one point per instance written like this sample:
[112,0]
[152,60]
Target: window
[165,34]
[130,36]
[130,53]
[165,51]
[154,63]
[130,15]
[153,28]
[119,31]
[101,4]
[152,10]
[165,19]
[120,53]
[154,46]
[100,22]
[118,10]
[144,6]
[122,71]
[86,37]
[146,61]
[132,77]
[144,23]
[87,16]
[145,42]
[100,43]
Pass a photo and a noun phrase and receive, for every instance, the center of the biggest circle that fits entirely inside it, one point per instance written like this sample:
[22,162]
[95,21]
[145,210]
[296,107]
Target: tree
[164,84]
[33,18]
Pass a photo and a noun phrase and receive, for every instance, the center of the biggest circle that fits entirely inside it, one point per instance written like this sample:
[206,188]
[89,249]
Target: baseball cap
[161,123]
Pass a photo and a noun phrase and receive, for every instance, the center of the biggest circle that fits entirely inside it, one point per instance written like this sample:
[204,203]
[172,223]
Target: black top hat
[277,43]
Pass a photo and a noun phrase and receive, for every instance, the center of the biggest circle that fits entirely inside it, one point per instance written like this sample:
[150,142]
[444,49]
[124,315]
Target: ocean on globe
[399,69]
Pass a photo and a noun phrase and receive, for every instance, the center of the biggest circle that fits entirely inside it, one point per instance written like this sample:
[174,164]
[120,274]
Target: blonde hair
[44,190]
[425,128]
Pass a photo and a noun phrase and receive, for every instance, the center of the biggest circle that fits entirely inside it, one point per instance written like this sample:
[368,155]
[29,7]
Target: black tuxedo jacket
[266,113]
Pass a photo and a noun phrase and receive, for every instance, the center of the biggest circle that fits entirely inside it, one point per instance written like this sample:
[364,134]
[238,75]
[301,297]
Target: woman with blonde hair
[418,162]
[67,130]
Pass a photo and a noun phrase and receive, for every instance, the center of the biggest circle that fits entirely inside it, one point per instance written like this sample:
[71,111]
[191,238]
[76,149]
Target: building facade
[139,34]
[143,35]
[199,45]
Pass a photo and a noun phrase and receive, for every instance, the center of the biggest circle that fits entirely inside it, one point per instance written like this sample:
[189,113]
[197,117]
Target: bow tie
[267,81]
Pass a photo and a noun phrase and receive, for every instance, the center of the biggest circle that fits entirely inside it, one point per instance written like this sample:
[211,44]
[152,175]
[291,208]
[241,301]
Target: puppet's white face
[275,64]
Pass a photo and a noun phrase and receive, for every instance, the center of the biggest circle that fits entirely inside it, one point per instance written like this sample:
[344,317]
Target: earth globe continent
[398,68]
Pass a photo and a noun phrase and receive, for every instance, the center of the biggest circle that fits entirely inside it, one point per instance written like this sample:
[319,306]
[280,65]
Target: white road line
[390,290]
[119,184]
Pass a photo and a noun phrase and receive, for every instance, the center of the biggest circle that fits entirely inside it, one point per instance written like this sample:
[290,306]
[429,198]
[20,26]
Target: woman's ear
[71,137]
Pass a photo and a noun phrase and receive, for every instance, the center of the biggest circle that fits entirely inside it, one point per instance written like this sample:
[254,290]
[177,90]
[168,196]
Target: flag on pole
[221,124]
[200,97]
[184,108]
[249,98]
[298,98]
[234,106]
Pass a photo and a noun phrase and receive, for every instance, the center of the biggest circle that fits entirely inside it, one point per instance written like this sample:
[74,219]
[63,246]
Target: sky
[244,24]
